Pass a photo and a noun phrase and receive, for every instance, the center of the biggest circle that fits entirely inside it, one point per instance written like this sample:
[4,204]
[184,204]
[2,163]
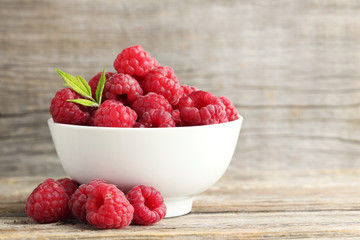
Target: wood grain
[251,205]
[290,67]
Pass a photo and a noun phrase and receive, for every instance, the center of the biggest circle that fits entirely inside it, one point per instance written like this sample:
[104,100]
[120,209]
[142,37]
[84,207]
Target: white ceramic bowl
[179,162]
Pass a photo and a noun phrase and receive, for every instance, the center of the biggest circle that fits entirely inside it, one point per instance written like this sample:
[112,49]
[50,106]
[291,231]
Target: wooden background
[292,68]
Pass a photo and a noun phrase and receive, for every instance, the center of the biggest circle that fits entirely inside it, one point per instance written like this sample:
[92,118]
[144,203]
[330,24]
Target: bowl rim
[50,121]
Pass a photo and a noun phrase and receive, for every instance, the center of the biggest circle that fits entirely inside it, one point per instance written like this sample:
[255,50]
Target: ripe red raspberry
[78,199]
[157,118]
[112,113]
[69,185]
[48,202]
[63,111]
[151,101]
[177,118]
[122,87]
[134,61]
[188,89]
[161,72]
[95,80]
[139,125]
[231,111]
[202,108]
[163,84]
[148,204]
[107,207]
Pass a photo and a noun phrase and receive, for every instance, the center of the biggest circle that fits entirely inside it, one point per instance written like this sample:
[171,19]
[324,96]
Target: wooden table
[290,67]
[242,205]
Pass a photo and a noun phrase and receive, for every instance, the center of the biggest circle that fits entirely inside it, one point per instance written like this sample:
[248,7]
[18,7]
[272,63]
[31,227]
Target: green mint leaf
[84,102]
[100,87]
[85,84]
[74,83]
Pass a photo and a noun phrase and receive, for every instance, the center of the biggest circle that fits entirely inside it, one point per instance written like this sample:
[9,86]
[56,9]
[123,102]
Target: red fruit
[112,113]
[202,108]
[148,204]
[188,89]
[122,87]
[177,118]
[48,202]
[157,118]
[95,80]
[161,81]
[79,198]
[107,207]
[69,185]
[161,72]
[231,111]
[63,111]
[134,61]
[151,101]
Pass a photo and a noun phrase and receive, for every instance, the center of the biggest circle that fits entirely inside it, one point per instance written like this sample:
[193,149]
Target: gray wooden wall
[292,68]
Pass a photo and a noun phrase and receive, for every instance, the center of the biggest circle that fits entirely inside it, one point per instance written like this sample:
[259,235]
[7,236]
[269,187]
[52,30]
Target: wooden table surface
[292,69]
[246,205]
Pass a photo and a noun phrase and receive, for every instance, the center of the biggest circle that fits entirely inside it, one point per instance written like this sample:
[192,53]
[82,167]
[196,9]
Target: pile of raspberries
[142,94]
[101,204]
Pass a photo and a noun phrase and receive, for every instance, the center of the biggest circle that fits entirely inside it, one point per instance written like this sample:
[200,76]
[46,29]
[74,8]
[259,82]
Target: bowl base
[177,206]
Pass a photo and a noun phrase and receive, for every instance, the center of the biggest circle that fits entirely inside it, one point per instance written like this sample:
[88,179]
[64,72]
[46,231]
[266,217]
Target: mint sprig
[100,87]
[82,87]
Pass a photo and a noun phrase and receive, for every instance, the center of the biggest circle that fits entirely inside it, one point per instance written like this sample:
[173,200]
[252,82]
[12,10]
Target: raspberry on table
[63,111]
[163,84]
[112,113]
[151,101]
[148,204]
[202,108]
[78,199]
[134,61]
[95,80]
[122,87]
[69,185]
[157,118]
[48,202]
[107,207]
[231,111]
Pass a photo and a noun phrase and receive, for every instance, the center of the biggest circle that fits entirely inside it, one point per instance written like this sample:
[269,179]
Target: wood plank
[284,225]
[317,204]
[291,68]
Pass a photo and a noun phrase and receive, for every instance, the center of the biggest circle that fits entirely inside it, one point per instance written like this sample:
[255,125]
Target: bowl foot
[177,206]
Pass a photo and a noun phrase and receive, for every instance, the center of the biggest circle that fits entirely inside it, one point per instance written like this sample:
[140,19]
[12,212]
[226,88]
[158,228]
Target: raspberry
[122,87]
[48,202]
[134,61]
[79,198]
[151,101]
[163,84]
[139,125]
[202,108]
[107,207]
[161,72]
[157,118]
[231,111]
[63,111]
[188,89]
[69,185]
[148,204]
[177,119]
[112,113]
[95,80]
